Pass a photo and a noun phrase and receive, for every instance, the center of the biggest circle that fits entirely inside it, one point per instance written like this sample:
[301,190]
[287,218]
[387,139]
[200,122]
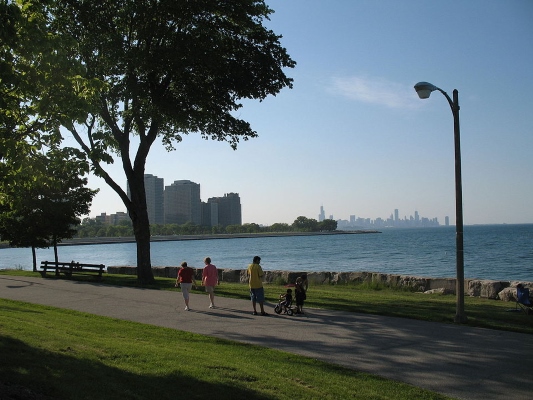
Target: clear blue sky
[353,135]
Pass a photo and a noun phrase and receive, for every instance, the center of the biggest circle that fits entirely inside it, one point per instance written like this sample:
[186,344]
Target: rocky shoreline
[497,290]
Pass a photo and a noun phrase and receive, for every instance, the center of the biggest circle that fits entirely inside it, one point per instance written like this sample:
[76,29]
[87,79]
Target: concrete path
[458,361]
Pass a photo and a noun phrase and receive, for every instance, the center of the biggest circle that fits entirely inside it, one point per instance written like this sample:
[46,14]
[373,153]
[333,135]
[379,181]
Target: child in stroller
[285,303]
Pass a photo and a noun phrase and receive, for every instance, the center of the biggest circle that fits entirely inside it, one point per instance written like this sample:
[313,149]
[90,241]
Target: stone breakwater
[498,290]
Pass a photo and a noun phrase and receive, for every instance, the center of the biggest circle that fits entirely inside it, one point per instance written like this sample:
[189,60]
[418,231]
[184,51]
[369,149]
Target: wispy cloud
[374,91]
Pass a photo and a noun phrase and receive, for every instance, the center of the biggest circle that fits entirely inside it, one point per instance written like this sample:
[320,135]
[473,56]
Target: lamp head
[424,89]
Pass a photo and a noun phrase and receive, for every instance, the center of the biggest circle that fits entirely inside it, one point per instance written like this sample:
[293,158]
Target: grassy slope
[71,355]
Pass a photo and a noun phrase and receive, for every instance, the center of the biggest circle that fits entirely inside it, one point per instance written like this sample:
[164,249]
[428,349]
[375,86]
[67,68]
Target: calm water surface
[498,252]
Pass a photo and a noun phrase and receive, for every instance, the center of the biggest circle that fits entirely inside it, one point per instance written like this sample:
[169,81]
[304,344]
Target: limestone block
[130,270]
[244,276]
[271,276]
[474,288]
[171,272]
[340,277]
[507,294]
[379,277]
[416,282]
[393,280]
[446,283]
[114,270]
[485,288]
[291,277]
[318,278]
[230,275]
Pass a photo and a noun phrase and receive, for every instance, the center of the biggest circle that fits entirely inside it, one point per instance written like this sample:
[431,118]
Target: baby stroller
[284,306]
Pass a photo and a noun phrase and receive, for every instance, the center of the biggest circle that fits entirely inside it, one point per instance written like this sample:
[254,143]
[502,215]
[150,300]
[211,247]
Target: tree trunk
[34,256]
[55,250]
[141,229]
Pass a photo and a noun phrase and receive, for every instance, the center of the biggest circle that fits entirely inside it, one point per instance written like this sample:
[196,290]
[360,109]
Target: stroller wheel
[277,309]
[289,311]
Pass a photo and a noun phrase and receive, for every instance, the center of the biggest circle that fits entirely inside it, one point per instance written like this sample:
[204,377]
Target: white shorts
[185,289]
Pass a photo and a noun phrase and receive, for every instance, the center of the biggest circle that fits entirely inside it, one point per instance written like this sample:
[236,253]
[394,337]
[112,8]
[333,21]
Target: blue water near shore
[496,252]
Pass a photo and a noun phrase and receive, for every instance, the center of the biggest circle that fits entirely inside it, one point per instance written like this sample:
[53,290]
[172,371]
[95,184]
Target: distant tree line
[93,228]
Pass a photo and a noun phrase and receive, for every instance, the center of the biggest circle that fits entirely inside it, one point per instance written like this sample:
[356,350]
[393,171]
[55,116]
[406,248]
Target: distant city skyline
[394,220]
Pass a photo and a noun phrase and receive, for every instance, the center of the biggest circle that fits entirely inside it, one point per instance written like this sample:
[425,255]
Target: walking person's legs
[253,297]
[211,291]
[185,288]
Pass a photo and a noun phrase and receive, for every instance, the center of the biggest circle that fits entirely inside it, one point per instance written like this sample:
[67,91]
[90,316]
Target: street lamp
[424,89]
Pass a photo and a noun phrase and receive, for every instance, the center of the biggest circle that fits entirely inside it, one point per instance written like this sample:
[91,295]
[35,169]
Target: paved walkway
[459,361]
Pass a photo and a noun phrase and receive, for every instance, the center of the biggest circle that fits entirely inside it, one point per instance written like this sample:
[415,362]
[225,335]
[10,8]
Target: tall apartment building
[210,213]
[154,189]
[228,209]
[182,203]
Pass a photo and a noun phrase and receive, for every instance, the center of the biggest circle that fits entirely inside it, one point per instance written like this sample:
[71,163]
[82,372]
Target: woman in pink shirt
[210,280]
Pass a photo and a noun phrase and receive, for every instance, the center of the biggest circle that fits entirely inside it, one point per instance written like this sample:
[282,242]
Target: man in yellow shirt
[257,293]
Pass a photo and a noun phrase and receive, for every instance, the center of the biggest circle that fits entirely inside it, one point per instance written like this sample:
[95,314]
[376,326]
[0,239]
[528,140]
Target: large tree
[155,69]
[304,224]
[44,204]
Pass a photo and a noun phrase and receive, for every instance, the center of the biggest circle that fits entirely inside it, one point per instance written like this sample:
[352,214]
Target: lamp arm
[453,105]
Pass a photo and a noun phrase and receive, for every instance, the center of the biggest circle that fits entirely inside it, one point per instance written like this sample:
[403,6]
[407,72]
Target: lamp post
[424,89]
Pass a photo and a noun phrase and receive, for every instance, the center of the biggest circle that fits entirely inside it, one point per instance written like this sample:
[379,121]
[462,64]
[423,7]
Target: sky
[353,136]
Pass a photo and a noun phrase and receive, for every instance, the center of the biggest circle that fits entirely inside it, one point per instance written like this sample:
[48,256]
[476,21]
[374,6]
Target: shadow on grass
[63,376]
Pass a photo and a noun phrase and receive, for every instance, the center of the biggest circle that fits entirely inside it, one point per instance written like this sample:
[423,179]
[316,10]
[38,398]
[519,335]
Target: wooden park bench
[69,268]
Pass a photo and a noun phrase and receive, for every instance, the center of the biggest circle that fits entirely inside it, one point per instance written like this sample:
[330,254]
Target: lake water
[497,252]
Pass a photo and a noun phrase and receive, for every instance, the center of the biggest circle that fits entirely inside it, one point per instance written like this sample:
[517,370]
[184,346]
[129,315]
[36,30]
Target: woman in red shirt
[186,280]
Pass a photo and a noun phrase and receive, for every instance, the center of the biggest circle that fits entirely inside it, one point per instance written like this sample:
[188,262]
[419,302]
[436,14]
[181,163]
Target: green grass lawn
[66,354]
[70,355]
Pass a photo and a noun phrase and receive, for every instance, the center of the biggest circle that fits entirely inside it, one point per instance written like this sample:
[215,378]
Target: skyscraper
[154,188]
[228,209]
[210,213]
[322,215]
[182,203]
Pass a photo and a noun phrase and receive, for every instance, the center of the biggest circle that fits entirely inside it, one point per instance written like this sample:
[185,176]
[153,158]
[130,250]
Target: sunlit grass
[71,355]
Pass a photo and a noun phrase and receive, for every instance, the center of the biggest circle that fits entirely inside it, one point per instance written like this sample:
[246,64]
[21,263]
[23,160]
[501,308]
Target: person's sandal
[264,314]
[254,313]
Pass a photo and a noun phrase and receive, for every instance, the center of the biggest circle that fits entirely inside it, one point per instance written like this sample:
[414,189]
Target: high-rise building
[210,213]
[154,188]
[228,209]
[182,203]
[322,215]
